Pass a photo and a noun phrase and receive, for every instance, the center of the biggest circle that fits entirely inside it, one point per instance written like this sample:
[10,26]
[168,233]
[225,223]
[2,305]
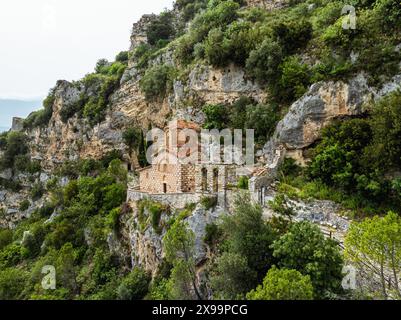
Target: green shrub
[295,79]
[110,156]
[42,117]
[95,108]
[263,119]
[134,286]
[283,284]
[23,163]
[390,11]
[37,191]
[122,57]
[156,213]
[189,8]
[24,205]
[208,202]
[156,82]
[156,210]
[13,283]
[289,168]
[161,28]
[10,256]
[243,183]
[216,117]
[336,36]
[6,238]
[232,45]
[218,15]
[293,34]
[213,234]
[132,138]
[304,248]
[46,210]
[15,146]
[113,219]
[3,140]
[263,62]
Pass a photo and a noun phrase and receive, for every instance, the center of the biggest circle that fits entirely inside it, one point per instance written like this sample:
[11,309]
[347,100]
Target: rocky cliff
[203,84]
[190,87]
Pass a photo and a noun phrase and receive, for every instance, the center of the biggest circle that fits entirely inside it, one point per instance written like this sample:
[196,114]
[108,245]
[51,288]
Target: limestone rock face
[17,124]
[147,245]
[323,103]
[267,4]
[222,85]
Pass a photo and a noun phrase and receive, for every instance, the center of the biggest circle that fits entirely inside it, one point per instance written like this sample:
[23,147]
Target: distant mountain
[10,108]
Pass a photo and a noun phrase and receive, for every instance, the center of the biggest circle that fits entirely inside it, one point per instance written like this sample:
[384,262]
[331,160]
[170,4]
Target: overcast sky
[42,41]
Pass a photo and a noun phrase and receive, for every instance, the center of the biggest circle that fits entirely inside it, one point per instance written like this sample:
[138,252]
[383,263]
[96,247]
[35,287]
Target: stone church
[168,175]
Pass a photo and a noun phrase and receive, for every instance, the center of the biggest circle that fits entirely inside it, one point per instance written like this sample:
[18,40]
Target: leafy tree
[134,286]
[179,248]
[6,237]
[101,64]
[15,145]
[12,283]
[248,235]
[337,157]
[161,28]
[263,62]
[216,117]
[263,119]
[156,82]
[304,248]
[283,284]
[10,255]
[232,45]
[232,277]
[132,138]
[123,57]
[293,34]
[374,246]
[295,78]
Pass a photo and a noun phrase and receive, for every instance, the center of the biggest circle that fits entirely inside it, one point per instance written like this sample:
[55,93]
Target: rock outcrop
[323,103]
[147,244]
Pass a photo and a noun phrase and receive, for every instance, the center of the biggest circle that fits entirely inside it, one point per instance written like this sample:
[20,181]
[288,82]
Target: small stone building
[169,176]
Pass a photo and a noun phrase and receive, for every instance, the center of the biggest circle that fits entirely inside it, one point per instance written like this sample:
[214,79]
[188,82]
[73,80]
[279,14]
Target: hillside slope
[324,102]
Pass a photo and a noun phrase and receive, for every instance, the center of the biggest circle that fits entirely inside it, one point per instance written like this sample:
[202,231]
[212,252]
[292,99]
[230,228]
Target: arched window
[215,180]
[164,185]
[204,179]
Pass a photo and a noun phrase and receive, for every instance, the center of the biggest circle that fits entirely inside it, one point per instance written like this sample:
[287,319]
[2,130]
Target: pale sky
[42,41]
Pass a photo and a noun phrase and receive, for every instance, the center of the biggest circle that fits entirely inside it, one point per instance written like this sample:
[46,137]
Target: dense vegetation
[248,252]
[95,90]
[356,163]
[70,232]
[15,159]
